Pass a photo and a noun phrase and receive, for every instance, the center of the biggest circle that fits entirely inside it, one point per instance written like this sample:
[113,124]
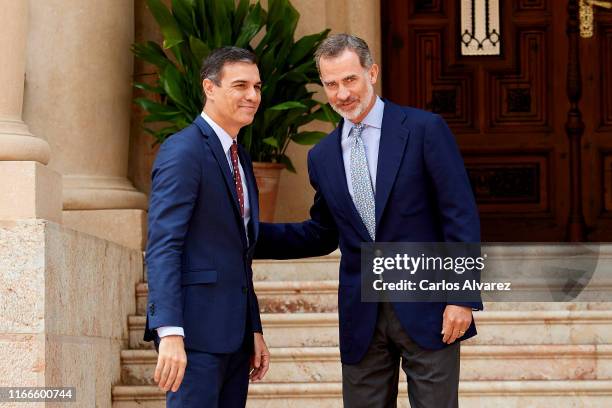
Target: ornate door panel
[508,111]
[596,107]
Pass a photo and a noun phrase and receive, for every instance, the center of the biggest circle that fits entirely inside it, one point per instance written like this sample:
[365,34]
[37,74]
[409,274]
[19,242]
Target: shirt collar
[374,117]
[224,137]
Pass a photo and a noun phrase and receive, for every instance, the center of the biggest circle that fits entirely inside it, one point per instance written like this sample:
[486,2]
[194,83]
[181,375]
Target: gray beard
[358,111]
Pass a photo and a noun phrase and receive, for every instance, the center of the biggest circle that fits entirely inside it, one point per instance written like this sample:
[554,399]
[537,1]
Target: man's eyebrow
[332,81]
[243,81]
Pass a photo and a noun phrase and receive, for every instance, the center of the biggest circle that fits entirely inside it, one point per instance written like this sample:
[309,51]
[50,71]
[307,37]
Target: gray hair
[334,45]
[215,61]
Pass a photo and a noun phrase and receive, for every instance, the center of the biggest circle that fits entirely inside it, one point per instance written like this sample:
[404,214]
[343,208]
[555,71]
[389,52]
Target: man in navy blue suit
[386,174]
[202,311]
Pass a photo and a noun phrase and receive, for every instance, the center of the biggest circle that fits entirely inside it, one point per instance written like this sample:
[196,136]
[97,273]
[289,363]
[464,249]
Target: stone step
[570,327]
[514,362]
[472,394]
[312,296]
[318,268]
[279,296]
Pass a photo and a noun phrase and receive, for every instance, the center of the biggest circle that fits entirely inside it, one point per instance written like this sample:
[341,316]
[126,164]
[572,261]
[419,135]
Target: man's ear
[373,73]
[208,87]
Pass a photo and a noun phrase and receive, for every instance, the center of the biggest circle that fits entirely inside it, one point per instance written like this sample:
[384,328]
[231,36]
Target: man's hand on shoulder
[456,321]
[171,363]
[260,360]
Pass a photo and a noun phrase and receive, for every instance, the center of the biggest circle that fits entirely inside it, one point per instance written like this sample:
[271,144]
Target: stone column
[28,188]
[79,76]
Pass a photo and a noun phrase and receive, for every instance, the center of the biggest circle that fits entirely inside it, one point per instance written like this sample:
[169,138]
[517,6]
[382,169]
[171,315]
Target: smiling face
[232,103]
[348,85]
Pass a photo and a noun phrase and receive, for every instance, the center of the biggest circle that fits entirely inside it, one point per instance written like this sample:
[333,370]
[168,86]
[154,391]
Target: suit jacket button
[151,309]
[245,289]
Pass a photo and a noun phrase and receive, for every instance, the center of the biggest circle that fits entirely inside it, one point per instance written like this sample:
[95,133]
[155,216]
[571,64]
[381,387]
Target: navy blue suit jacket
[198,259]
[422,195]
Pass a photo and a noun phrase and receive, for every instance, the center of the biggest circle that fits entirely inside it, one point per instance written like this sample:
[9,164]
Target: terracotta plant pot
[267,176]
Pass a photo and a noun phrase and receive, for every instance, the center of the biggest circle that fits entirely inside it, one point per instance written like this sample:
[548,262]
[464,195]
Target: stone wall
[64,301]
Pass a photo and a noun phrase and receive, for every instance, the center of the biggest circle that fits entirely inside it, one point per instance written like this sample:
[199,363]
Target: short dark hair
[215,61]
[335,44]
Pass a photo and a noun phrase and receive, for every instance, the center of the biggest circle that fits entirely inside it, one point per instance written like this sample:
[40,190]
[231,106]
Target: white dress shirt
[371,141]
[226,141]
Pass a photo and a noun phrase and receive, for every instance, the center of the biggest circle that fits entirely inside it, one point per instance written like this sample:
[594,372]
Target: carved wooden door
[596,107]
[509,111]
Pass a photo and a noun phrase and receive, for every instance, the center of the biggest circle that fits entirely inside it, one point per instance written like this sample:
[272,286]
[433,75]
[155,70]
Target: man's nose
[343,93]
[251,94]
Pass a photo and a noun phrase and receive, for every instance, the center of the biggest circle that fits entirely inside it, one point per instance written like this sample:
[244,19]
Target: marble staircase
[526,354]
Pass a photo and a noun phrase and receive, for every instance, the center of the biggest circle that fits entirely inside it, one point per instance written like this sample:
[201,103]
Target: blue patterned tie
[363,192]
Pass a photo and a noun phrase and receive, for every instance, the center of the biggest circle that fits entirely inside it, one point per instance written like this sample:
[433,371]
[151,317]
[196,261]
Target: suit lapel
[217,149]
[252,190]
[394,136]
[338,178]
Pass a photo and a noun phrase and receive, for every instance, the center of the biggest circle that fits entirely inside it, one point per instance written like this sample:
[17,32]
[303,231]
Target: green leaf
[297,77]
[287,105]
[330,114]
[273,37]
[172,82]
[221,22]
[241,12]
[270,116]
[284,52]
[147,87]
[306,68]
[271,142]
[184,121]
[151,106]
[247,137]
[167,23]
[308,138]
[305,47]
[229,10]
[308,101]
[162,134]
[156,117]
[151,53]
[282,11]
[253,23]
[152,132]
[319,114]
[202,21]
[284,159]
[183,12]
[199,49]
[267,63]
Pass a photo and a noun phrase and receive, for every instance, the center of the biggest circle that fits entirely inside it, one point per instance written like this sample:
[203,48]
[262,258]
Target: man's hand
[456,321]
[260,360]
[171,363]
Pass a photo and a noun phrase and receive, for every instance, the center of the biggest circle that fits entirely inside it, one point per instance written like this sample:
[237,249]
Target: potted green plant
[173,96]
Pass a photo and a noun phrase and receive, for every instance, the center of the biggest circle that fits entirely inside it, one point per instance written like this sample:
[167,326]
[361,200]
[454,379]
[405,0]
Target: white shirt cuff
[170,331]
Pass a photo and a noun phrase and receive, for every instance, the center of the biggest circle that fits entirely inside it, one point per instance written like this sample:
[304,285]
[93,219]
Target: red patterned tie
[237,179]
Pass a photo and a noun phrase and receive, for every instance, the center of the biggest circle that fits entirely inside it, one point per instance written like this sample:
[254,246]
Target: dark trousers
[433,375]
[214,380]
